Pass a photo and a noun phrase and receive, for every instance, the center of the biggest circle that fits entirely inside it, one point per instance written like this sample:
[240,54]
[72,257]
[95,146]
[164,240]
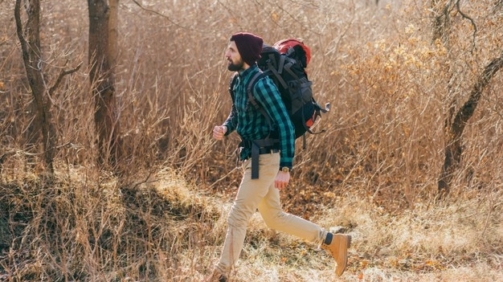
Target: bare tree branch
[159,14]
[471,20]
[62,74]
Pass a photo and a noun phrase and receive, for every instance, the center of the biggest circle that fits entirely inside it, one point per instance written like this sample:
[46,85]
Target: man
[274,164]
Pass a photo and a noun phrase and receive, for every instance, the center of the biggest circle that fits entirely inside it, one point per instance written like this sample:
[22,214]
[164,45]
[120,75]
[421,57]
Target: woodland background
[109,171]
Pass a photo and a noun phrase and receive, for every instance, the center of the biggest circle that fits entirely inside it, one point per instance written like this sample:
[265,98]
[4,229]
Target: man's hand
[281,180]
[219,132]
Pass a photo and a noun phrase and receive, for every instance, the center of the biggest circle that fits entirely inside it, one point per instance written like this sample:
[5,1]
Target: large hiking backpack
[285,64]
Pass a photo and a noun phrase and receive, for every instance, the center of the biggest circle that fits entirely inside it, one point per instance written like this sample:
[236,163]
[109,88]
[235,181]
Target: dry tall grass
[372,173]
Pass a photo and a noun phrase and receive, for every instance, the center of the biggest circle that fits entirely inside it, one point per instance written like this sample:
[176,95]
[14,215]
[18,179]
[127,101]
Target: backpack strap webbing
[251,98]
[288,68]
[277,73]
[282,60]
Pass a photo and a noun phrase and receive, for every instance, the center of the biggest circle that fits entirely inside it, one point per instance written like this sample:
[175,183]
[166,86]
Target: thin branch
[62,74]
[147,179]
[470,19]
[282,9]
[159,14]
[225,7]
[293,17]
[348,26]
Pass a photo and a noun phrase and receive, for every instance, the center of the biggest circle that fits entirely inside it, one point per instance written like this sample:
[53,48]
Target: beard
[235,67]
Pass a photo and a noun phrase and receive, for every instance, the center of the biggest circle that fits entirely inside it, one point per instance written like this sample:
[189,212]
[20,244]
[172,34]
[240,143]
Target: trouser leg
[250,194]
[275,218]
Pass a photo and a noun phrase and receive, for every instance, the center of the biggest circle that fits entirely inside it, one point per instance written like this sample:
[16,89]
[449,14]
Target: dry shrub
[81,229]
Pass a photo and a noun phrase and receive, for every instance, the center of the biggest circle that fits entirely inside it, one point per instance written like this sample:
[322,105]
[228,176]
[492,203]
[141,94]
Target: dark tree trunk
[29,37]
[454,127]
[101,60]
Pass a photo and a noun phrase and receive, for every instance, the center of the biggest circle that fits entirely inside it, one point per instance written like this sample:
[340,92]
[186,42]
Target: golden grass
[165,229]
[373,173]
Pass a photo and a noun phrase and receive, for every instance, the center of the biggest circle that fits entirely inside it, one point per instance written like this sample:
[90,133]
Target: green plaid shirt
[251,124]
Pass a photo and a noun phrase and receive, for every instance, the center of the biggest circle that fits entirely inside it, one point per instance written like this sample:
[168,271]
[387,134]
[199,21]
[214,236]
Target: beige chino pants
[260,193]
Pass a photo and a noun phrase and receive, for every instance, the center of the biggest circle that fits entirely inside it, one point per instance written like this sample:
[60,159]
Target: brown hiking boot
[337,245]
[216,276]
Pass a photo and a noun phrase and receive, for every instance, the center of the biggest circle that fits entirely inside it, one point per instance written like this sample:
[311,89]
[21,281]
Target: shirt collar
[247,71]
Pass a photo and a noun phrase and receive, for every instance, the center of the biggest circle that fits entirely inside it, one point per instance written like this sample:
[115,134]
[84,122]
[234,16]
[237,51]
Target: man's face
[234,58]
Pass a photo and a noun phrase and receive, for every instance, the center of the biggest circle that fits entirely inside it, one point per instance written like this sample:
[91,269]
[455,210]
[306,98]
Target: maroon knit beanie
[249,46]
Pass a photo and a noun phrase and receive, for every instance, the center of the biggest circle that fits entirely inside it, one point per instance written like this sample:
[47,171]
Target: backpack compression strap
[277,72]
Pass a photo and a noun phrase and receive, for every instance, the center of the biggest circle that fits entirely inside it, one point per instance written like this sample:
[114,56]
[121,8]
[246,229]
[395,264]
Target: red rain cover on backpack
[283,45]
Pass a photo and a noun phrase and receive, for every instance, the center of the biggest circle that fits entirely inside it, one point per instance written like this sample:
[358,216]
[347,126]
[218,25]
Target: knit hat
[249,46]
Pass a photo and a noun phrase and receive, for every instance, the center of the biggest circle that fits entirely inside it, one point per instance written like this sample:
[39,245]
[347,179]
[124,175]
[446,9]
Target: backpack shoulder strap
[251,98]
[249,88]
